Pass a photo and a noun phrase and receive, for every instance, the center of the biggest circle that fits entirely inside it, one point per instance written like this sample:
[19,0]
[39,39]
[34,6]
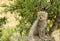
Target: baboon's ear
[38,13]
[46,13]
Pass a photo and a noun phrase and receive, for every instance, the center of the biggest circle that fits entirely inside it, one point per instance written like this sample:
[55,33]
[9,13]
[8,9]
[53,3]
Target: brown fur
[38,27]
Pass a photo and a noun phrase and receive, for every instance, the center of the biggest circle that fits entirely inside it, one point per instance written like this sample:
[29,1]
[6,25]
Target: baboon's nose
[40,17]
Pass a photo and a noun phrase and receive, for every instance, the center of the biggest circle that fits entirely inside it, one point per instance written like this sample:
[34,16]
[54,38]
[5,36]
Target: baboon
[37,30]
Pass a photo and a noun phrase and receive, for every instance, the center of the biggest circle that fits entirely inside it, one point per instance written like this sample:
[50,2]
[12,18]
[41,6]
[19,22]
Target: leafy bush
[23,13]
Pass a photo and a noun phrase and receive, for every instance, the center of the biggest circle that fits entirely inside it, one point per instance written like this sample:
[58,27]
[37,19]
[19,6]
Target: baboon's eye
[39,15]
[42,15]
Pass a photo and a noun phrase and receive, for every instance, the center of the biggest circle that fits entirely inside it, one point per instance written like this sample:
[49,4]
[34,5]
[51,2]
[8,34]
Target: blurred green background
[17,17]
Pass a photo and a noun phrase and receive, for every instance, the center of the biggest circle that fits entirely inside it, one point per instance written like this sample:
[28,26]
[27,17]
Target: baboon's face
[42,15]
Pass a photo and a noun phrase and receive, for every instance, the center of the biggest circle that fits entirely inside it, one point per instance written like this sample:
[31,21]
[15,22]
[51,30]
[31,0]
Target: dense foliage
[17,17]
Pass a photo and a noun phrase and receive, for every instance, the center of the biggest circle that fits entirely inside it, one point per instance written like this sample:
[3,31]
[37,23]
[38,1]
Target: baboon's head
[42,15]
